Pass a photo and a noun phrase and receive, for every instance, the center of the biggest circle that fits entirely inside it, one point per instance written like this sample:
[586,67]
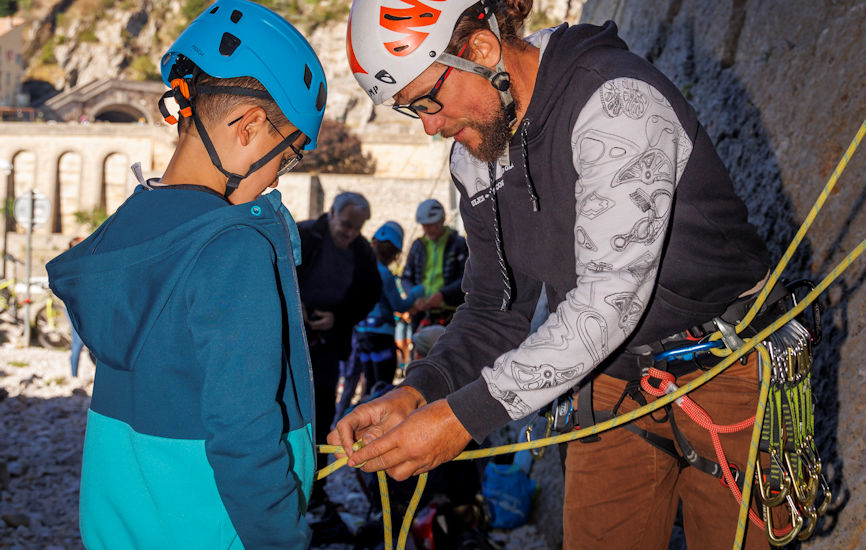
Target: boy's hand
[322,320]
[371,420]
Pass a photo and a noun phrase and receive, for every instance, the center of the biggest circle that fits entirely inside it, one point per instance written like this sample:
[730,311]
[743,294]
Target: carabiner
[767,499]
[796,524]
[538,452]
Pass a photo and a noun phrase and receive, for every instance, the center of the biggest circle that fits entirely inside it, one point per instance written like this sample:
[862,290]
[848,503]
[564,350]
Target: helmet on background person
[234,38]
[390,232]
[430,211]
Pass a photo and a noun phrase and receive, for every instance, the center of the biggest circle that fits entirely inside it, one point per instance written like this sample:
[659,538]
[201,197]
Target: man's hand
[322,320]
[435,301]
[370,420]
[425,439]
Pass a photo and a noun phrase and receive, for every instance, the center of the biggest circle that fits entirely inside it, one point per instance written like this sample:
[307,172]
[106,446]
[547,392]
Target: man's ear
[484,48]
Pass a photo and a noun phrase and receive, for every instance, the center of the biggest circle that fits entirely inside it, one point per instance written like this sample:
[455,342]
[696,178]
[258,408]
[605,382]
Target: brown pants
[621,492]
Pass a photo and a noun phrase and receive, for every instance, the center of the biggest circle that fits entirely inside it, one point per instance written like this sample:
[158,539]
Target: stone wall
[781,88]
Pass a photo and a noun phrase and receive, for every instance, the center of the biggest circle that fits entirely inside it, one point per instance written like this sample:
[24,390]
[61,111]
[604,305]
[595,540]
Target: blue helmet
[234,38]
[390,232]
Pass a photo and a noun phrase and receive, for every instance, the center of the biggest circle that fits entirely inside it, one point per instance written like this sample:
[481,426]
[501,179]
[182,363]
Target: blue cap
[233,38]
[390,232]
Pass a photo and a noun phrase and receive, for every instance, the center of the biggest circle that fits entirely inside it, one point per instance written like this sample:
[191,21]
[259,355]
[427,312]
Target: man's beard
[495,136]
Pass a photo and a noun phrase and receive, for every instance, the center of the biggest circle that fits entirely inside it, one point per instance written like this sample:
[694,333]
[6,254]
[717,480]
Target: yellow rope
[798,238]
[410,512]
[386,509]
[743,518]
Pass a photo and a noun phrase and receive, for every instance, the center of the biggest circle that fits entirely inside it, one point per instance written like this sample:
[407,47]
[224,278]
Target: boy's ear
[253,122]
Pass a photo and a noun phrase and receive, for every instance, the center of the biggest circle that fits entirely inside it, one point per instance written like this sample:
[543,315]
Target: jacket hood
[117,296]
[561,56]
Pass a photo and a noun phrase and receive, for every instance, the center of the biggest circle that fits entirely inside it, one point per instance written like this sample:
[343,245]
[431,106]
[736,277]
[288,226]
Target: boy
[199,432]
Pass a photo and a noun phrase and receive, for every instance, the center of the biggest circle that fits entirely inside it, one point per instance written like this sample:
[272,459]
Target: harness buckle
[729,334]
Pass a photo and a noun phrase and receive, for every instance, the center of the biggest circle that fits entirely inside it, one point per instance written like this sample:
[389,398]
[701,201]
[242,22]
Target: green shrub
[142,68]
[46,56]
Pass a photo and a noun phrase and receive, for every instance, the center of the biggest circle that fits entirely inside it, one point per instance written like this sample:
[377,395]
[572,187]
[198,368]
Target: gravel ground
[43,411]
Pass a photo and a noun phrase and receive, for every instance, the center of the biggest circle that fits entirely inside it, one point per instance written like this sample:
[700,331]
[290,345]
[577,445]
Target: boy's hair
[213,107]
[385,251]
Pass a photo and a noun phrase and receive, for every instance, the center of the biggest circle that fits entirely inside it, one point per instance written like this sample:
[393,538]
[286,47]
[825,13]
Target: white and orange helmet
[390,42]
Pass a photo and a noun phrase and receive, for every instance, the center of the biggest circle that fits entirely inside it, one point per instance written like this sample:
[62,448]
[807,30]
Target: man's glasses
[286,164]
[427,103]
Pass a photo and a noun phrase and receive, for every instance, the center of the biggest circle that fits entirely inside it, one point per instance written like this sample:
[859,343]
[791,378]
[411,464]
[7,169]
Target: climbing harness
[800,480]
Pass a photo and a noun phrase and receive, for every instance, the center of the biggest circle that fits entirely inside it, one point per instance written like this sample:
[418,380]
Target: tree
[338,151]
[8,7]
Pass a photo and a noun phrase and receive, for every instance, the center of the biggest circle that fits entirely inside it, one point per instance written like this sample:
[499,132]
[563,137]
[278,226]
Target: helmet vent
[214,10]
[320,100]
[229,44]
[308,76]
[236,16]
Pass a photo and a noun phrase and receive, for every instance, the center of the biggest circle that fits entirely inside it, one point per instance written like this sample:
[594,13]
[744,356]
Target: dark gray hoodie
[614,198]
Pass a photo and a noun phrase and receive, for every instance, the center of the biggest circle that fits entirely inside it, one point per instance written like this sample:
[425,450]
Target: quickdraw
[795,479]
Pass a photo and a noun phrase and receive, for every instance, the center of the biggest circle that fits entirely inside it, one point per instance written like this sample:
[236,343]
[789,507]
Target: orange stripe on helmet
[350,51]
[404,21]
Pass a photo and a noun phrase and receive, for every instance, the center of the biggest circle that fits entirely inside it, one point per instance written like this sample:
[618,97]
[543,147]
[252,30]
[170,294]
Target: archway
[119,112]
[115,174]
[66,192]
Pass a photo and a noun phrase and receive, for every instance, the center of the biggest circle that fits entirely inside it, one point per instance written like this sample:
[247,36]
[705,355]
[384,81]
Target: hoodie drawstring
[530,185]
[497,232]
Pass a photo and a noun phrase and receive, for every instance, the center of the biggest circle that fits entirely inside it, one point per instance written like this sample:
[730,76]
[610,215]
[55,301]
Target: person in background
[436,261]
[377,349]
[339,284]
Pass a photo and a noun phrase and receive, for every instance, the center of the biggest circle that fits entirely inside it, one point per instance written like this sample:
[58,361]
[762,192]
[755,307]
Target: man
[436,261]
[582,170]
[339,284]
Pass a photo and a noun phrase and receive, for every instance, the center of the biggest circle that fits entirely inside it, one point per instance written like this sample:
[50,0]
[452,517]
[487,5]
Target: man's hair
[213,107]
[510,15]
[348,198]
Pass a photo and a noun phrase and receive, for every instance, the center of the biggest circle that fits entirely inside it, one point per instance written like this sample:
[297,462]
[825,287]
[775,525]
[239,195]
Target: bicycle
[52,326]
[8,294]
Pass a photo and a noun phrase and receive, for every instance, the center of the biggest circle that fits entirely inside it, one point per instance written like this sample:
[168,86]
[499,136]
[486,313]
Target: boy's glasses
[286,164]
[427,104]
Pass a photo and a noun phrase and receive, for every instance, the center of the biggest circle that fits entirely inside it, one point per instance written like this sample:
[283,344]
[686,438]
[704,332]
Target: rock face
[780,88]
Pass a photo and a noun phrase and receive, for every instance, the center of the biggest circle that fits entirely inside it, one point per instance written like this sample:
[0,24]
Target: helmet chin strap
[498,76]
[234,180]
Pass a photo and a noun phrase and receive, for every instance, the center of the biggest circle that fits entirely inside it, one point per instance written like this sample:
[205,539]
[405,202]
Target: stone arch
[67,190]
[23,177]
[118,112]
[115,173]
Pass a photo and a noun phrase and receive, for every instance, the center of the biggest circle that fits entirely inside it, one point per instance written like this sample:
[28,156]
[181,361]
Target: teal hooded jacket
[199,433]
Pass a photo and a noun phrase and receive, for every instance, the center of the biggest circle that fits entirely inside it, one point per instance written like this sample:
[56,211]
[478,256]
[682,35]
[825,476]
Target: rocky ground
[43,411]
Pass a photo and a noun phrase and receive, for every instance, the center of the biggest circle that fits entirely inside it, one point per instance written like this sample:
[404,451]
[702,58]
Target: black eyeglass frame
[417,106]
[286,165]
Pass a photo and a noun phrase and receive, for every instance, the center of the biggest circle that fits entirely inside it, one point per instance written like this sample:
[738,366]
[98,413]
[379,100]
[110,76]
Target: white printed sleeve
[629,151]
